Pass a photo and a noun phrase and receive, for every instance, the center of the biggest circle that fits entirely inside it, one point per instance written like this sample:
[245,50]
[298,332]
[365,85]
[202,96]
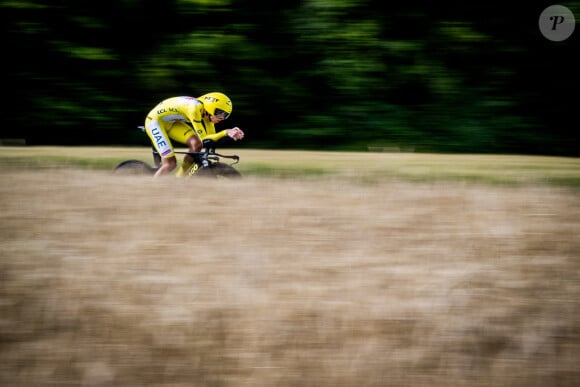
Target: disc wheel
[134,167]
[219,171]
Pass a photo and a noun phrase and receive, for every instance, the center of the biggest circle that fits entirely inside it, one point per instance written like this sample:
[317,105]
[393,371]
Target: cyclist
[187,120]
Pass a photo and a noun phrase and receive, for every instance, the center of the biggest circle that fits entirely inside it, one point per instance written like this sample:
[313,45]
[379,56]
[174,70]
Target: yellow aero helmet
[217,104]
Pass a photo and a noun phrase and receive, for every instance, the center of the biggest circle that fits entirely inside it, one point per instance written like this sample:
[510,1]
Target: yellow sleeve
[216,136]
[206,129]
[199,129]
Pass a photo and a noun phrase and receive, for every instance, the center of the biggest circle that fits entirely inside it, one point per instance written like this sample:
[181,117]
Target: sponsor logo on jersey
[159,140]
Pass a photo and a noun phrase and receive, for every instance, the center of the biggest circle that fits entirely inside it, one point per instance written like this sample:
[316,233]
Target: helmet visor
[220,113]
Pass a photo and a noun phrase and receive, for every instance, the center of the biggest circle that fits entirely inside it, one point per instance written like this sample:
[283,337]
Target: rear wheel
[134,167]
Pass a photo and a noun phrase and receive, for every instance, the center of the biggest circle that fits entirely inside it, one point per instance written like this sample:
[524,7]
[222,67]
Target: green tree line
[313,74]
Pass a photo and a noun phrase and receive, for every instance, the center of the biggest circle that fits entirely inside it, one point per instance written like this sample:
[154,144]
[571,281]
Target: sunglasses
[220,113]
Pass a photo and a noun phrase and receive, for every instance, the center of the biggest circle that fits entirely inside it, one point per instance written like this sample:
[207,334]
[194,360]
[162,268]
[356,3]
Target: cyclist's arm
[204,129]
[216,136]
[234,133]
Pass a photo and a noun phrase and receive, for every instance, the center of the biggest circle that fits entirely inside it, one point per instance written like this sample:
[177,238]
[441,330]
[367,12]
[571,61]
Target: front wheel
[134,167]
[220,171]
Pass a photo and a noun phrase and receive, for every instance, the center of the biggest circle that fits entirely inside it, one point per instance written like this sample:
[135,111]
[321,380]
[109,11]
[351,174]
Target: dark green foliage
[447,77]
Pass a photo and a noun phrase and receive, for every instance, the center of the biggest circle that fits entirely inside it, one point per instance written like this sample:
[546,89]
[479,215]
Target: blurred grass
[415,167]
[286,282]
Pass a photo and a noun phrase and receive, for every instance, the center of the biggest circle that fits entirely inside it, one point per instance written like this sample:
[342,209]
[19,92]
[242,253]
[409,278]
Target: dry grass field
[338,279]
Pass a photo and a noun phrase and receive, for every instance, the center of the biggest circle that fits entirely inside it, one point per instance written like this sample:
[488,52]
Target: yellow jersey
[178,118]
[188,110]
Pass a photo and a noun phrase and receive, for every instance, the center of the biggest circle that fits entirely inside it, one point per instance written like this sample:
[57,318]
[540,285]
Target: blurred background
[312,74]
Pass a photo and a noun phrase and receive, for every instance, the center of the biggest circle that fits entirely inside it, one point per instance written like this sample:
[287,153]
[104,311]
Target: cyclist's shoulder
[187,106]
[181,101]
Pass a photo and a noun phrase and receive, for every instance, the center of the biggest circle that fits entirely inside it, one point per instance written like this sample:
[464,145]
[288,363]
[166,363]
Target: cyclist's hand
[235,133]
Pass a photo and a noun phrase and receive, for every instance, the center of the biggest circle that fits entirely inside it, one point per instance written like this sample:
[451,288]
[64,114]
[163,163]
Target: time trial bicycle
[206,163]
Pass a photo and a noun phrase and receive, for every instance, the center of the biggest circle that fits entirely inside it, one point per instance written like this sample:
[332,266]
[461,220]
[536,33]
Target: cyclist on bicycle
[187,120]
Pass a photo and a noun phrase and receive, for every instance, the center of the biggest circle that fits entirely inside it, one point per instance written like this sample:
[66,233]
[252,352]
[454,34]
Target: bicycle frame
[208,158]
[205,158]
